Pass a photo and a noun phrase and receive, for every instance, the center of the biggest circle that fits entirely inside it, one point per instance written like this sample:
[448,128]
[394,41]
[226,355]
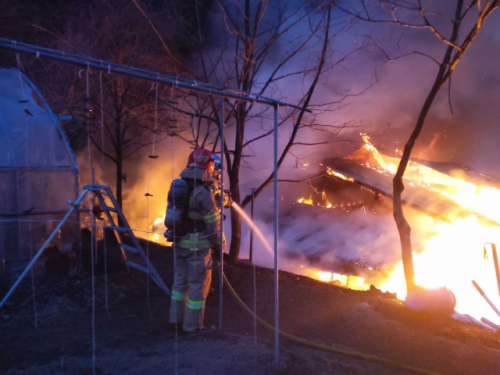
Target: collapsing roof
[426,197]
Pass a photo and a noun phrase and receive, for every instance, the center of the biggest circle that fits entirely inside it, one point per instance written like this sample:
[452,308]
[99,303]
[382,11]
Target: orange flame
[349,281]
[331,172]
[454,255]
[305,201]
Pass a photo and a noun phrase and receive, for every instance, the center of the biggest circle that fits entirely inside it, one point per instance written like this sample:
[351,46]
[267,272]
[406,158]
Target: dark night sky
[471,135]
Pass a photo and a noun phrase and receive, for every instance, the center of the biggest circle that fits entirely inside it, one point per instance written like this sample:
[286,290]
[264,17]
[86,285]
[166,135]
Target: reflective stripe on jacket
[193,242]
[195,305]
[179,296]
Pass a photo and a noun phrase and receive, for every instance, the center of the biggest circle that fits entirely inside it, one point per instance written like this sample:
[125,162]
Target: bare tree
[121,115]
[474,13]
[259,48]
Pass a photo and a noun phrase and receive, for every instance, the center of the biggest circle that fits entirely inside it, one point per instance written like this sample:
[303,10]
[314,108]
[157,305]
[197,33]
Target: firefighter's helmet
[217,162]
[201,158]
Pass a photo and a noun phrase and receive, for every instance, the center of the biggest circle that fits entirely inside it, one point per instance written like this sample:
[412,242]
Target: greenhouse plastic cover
[36,161]
[30,134]
[38,171]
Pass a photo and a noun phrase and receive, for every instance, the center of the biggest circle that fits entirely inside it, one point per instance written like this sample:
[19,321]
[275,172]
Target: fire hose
[324,348]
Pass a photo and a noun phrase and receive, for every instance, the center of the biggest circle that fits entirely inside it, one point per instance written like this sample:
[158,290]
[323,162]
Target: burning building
[352,240]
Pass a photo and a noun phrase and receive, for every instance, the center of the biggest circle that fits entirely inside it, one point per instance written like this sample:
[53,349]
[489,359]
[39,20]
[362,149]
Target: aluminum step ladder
[101,191]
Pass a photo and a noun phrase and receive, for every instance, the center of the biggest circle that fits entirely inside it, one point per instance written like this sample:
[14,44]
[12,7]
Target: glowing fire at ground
[327,204]
[453,258]
[305,201]
[455,255]
[352,282]
[157,228]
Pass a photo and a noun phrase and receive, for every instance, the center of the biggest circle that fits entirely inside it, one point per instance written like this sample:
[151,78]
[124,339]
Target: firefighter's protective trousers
[193,275]
[193,258]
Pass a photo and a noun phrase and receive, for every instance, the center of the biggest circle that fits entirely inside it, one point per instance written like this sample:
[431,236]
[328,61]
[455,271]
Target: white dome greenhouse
[38,174]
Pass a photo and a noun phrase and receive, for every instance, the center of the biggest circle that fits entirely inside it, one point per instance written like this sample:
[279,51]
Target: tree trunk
[119,187]
[241,117]
[234,249]
[398,186]
[404,229]
[119,183]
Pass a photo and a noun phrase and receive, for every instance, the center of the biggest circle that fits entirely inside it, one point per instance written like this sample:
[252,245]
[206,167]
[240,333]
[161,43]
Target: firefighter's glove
[169,236]
[228,201]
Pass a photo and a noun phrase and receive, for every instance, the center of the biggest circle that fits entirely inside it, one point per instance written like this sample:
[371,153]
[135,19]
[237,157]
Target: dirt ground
[132,335]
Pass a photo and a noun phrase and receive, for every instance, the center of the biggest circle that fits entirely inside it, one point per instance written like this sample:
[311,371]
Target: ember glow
[456,254]
[157,228]
[348,281]
[305,201]
[454,257]
[325,203]
[331,172]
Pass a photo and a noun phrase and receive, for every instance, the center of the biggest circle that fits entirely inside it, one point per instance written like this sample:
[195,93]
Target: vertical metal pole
[495,263]
[254,271]
[94,224]
[250,252]
[221,253]
[78,219]
[19,226]
[276,295]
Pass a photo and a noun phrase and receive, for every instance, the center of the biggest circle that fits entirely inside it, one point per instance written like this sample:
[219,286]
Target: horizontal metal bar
[85,62]
[138,267]
[99,61]
[113,64]
[119,229]
[129,248]
[94,187]
[35,213]
[66,168]
[112,209]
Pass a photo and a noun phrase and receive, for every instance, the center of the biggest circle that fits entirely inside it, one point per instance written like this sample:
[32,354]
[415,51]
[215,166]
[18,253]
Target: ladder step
[138,266]
[129,248]
[112,209]
[119,229]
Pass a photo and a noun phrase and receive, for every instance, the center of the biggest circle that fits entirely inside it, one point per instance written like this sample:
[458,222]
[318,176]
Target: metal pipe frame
[72,169]
[250,250]
[496,265]
[221,252]
[148,75]
[156,74]
[183,83]
[69,54]
[486,298]
[276,288]
[41,213]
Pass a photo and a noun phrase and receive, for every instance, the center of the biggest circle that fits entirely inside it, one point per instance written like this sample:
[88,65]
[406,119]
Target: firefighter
[193,222]
[216,185]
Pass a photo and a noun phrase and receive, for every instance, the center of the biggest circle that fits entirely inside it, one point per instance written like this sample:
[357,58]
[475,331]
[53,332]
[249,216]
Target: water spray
[251,223]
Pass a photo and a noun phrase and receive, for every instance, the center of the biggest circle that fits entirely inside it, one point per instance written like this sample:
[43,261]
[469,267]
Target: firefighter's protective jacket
[203,214]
